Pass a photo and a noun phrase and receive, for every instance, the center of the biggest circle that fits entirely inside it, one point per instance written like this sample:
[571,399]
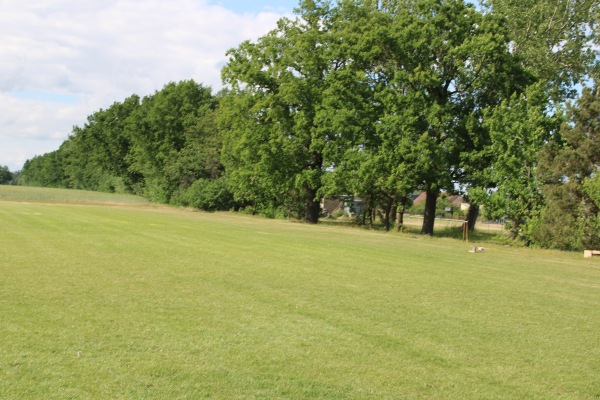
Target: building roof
[420,198]
[454,199]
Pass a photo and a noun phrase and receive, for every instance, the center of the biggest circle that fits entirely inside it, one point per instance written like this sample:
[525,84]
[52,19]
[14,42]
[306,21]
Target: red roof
[420,198]
[454,199]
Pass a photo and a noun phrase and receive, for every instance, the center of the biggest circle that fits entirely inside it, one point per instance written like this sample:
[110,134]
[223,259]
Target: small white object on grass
[476,249]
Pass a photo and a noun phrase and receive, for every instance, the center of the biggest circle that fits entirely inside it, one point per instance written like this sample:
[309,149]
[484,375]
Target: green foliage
[388,108]
[95,157]
[274,146]
[157,147]
[351,111]
[338,214]
[449,63]
[554,39]
[47,170]
[569,172]
[160,129]
[257,167]
[199,158]
[591,186]
[519,128]
[6,176]
[209,195]
[97,154]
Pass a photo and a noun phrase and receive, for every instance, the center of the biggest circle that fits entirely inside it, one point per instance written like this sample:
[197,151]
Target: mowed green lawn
[101,301]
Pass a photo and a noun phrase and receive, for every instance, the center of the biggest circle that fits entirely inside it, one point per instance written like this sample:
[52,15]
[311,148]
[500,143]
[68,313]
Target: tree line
[376,99]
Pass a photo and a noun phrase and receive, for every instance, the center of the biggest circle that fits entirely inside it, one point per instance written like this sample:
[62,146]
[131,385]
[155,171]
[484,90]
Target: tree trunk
[388,214]
[394,212]
[313,207]
[429,216]
[364,215]
[368,211]
[472,215]
[401,214]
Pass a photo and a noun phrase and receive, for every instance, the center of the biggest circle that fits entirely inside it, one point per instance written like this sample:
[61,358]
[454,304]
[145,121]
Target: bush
[112,184]
[338,213]
[208,195]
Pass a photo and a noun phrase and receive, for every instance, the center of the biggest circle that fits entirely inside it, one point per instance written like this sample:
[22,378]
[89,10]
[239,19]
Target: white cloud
[62,60]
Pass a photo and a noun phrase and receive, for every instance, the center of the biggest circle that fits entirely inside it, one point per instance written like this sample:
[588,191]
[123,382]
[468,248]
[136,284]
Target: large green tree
[45,170]
[569,171]
[556,40]
[197,171]
[96,154]
[157,147]
[159,131]
[448,63]
[274,147]
[519,127]
[365,160]
[6,176]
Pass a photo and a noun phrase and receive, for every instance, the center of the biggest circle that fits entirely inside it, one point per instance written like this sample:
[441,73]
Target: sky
[62,60]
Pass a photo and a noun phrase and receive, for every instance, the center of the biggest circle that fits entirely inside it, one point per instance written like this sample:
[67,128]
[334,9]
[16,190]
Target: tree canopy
[568,172]
[6,176]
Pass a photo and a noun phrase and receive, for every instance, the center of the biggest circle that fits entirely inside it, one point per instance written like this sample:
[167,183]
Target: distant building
[351,205]
[418,198]
[330,206]
[456,200]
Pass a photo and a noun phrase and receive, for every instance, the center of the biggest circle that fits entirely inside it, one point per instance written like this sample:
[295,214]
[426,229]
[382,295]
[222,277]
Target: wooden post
[467,230]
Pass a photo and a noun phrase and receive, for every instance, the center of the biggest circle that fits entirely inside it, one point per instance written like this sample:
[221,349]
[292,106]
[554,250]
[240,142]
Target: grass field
[101,300]
[36,194]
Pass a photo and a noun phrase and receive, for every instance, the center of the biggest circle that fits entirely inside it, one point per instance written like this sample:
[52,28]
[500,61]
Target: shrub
[209,195]
[338,213]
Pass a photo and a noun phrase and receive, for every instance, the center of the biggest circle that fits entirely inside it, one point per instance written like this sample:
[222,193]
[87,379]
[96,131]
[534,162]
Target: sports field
[106,298]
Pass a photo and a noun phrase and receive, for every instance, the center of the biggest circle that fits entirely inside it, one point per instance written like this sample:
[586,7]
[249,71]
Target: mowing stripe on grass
[145,302]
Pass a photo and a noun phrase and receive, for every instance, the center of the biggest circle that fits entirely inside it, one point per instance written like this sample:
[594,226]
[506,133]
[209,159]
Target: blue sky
[60,60]
[253,6]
